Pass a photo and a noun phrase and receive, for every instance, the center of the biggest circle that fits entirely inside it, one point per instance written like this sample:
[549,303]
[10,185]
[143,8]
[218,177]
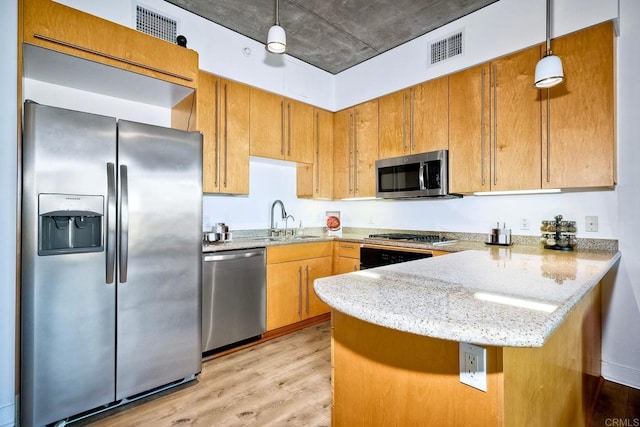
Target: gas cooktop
[423,238]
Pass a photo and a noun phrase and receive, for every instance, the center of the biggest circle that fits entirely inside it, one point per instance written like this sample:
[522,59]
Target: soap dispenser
[300,229]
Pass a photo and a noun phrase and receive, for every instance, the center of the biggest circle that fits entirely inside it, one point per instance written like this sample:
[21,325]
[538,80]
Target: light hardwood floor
[283,382]
[286,382]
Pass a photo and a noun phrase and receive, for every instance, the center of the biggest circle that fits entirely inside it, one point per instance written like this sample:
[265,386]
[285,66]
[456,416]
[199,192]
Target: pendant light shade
[276,38]
[549,70]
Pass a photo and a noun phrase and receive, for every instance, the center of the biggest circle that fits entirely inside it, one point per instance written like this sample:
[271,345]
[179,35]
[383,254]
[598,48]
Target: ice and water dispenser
[69,223]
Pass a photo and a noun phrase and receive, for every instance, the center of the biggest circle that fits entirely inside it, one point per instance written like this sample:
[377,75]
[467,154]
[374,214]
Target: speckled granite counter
[479,295]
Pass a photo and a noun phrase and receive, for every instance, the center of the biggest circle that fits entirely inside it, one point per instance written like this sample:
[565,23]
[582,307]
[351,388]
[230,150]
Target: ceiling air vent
[155,24]
[446,48]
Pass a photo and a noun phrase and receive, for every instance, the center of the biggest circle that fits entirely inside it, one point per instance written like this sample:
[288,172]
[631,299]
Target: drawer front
[293,252]
[349,250]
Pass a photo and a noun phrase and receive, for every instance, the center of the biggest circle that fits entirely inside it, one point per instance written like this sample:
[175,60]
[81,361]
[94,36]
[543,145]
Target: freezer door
[159,241]
[68,308]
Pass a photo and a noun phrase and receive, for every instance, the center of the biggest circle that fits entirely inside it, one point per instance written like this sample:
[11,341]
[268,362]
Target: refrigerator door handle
[124,223]
[111,222]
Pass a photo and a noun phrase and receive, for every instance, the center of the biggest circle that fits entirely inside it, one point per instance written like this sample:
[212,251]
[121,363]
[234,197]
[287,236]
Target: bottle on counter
[300,229]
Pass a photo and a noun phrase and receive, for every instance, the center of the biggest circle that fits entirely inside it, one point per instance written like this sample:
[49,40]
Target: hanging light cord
[548,27]
[278,16]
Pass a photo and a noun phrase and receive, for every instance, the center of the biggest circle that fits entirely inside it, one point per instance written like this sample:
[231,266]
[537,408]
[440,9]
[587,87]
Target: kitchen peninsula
[396,333]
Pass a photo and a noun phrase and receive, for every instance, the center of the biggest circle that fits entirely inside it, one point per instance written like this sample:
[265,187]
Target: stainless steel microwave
[416,175]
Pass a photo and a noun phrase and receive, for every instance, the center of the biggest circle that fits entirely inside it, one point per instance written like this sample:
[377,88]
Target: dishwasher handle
[227,257]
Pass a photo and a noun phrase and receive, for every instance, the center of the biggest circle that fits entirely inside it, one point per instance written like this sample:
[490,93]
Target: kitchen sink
[278,238]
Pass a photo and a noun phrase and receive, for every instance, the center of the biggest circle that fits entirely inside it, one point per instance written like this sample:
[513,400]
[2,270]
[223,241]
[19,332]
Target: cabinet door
[314,269]
[578,129]
[64,29]
[285,287]
[394,114]
[234,137]
[515,127]
[298,131]
[323,154]
[315,180]
[267,124]
[430,116]
[206,121]
[469,130]
[347,265]
[365,143]
[343,154]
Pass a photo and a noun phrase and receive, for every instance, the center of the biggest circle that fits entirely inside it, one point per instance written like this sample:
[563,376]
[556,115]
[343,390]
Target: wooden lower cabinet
[346,257]
[291,271]
[384,377]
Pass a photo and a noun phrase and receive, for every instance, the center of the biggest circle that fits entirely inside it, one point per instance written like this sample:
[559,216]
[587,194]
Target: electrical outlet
[591,223]
[473,366]
[524,223]
[371,220]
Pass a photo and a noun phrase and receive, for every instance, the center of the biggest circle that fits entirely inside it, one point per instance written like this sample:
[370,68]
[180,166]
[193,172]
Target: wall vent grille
[447,48]
[155,24]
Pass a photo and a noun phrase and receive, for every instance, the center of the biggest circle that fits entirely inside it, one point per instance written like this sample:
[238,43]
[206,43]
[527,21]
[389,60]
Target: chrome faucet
[285,224]
[283,214]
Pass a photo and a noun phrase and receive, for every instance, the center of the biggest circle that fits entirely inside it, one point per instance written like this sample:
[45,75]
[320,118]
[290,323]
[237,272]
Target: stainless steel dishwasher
[234,296]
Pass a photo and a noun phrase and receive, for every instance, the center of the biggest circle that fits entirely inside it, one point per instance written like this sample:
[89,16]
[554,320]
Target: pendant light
[549,69]
[276,39]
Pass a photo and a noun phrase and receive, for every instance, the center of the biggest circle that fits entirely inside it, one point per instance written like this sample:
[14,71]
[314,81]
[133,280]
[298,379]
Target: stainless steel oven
[377,256]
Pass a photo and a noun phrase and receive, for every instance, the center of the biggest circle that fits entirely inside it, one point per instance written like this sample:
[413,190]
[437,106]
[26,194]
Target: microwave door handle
[421,174]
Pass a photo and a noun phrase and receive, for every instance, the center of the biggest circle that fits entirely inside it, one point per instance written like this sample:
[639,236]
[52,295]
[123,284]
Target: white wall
[8,185]
[621,335]
[221,51]
[496,30]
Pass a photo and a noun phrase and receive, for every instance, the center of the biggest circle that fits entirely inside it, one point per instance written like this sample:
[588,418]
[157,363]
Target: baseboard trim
[621,374]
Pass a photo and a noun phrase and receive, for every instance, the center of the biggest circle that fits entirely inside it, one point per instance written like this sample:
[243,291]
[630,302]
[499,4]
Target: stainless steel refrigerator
[111,261]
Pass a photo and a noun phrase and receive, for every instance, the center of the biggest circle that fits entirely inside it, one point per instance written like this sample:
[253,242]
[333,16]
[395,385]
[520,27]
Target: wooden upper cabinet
[469,130]
[578,128]
[233,132]
[414,120]
[281,128]
[222,115]
[494,128]
[394,115]
[267,124]
[316,180]
[64,29]
[343,154]
[299,131]
[355,151]
[515,123]
[430,116]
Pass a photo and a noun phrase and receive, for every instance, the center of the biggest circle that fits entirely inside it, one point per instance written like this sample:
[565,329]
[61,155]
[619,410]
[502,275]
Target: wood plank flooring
[283,382]
[287,382]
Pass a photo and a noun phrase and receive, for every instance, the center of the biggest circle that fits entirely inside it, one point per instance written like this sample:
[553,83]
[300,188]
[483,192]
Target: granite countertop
[478,295]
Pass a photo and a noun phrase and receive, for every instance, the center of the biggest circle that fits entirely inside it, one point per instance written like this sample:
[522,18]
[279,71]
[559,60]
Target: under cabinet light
[517,192]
